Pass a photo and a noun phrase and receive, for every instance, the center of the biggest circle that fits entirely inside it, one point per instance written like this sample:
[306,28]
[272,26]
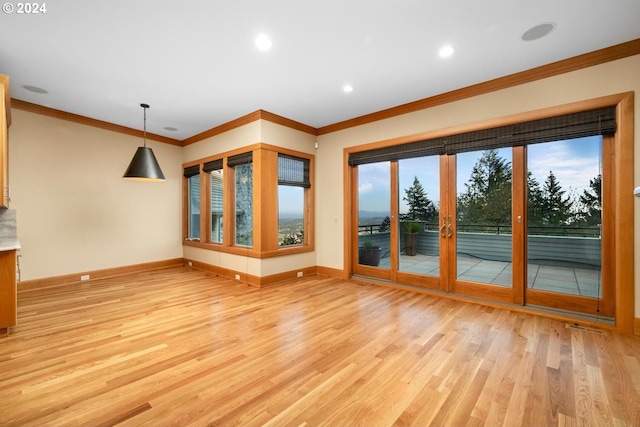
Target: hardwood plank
[181,346]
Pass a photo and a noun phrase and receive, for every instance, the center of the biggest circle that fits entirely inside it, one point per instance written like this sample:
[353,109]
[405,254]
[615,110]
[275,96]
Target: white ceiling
[196,64]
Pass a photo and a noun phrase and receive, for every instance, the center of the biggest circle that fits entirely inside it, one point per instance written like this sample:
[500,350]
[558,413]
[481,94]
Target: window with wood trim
[293,185]
[242,165]
[256,202]
[192,176]
[215,172]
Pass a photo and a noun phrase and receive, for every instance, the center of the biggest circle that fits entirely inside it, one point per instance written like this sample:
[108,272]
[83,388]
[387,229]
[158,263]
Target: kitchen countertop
[8,230]
[9,244]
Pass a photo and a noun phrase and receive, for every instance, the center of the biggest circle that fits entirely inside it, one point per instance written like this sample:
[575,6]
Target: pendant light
[144,167]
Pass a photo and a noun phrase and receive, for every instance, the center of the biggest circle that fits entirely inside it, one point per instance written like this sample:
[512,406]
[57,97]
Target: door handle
[442,231]
[449,231]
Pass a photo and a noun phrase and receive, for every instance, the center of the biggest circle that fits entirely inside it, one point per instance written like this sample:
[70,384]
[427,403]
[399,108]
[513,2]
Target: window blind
[428,147]
[240,159]
[568,126]
[191,171]
[212,165]
[293,171]
[575,125]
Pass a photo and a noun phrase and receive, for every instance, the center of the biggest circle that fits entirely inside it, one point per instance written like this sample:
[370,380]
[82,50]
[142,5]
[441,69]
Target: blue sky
[573,162]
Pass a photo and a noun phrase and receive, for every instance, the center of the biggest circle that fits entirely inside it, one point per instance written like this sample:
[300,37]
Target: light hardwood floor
[183,347]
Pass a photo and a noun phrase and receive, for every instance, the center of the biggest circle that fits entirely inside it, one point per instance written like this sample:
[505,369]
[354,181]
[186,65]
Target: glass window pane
[290,215]
[483,216]
[374,210]
[564,224]
[217,187]
[194,207]
[244,204]
[419,204]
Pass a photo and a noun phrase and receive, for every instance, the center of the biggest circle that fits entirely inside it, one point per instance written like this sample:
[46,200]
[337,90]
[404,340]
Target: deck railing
[546,245]
[538,230]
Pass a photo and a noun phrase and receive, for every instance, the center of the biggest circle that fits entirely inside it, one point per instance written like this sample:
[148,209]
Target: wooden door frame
[621,255]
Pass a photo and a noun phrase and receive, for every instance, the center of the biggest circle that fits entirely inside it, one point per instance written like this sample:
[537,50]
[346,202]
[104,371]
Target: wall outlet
[85,277]
[299,273]
[237,277]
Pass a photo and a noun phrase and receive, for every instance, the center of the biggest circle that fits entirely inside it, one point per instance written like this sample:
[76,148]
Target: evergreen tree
[386,224]
[420,206]
[591,203]
[487,199]
[557,206]
[535,201]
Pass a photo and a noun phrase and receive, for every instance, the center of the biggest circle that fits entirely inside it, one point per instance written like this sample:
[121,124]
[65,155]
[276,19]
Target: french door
[524,225]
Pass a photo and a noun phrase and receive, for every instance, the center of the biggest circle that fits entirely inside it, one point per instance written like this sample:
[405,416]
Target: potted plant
[368,254]
[411,230]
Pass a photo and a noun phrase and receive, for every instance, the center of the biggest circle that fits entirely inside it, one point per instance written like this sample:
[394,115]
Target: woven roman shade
[293,171]
[575,125]
[191,171]
[240,159]
[397,152]
[568,126]
[212,165]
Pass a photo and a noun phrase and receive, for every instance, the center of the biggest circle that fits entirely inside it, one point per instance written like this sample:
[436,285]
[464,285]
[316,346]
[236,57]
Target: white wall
[606,79]
[75,212]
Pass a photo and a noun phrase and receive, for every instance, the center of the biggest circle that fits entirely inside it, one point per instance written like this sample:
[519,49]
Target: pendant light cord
[144,137]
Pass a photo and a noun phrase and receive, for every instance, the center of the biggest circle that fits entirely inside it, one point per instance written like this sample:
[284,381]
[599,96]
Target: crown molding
[249,118]
[76,118]
[586,60]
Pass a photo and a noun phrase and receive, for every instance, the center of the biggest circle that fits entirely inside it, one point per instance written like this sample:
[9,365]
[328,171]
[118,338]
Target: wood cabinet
[8,290]
[5,121]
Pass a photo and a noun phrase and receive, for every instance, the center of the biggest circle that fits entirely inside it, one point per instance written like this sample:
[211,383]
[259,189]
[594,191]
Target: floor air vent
[584,328]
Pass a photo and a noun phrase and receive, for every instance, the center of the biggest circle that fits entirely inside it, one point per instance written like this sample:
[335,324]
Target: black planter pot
[369,256]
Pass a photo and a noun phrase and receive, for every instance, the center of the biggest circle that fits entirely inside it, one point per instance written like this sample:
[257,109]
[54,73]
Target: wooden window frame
[265,205]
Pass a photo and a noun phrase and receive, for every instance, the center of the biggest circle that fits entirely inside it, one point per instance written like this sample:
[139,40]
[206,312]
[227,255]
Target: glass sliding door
[419,206]
[374,216]
[483,217]
[565,223]
[499,213]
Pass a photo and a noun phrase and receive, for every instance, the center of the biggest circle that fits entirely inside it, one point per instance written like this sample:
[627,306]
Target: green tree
[557,206]
[421,208]
[535,201]
[386,224]
[590,211]
[487,198]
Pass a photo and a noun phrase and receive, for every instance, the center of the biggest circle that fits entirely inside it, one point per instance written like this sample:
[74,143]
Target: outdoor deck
[573,281]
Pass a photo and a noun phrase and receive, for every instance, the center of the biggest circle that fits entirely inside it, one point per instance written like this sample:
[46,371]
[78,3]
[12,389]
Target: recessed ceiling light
[263,42]
[170,129]
[34,89]
[446,51]
[538,31]
[347,88]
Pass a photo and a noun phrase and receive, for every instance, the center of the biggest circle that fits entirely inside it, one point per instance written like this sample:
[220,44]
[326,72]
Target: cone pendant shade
[144,167]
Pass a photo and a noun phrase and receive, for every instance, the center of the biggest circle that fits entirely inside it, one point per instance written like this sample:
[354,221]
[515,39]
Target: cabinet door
[8,291]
